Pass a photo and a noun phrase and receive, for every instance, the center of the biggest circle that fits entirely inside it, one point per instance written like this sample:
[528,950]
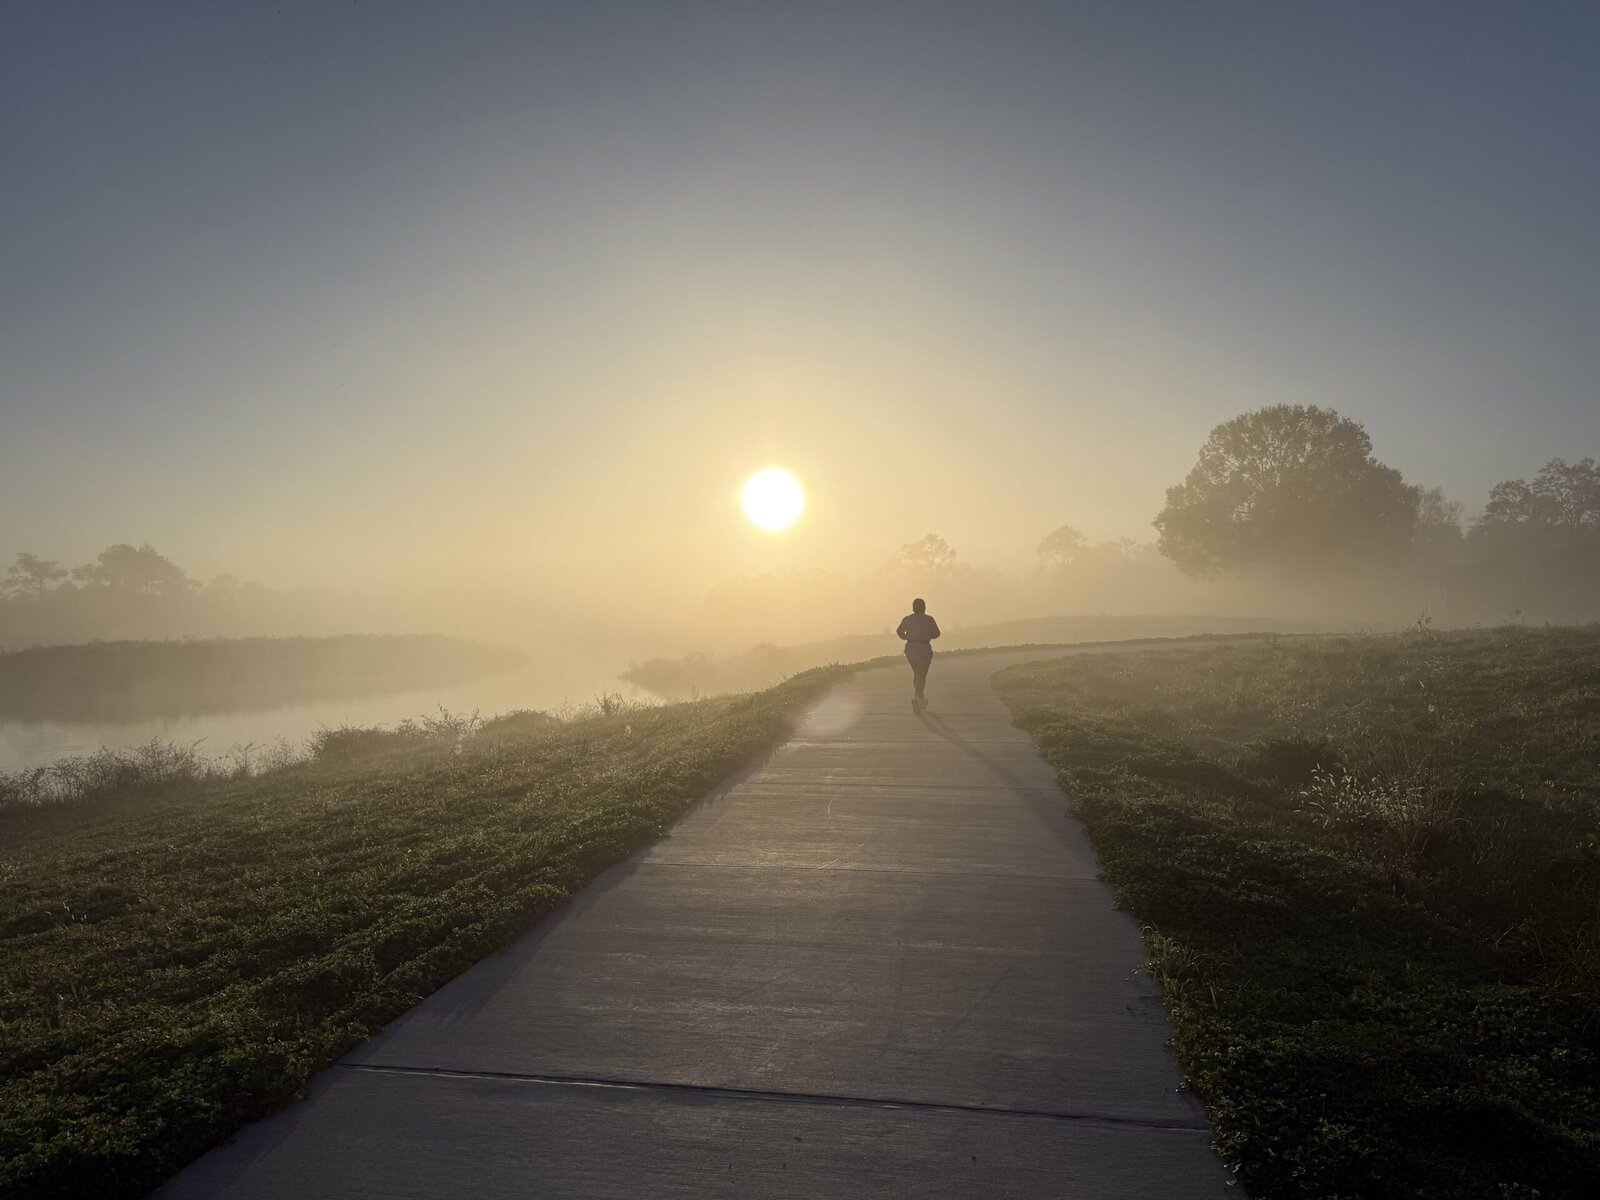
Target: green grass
[182,963]
[1369,875]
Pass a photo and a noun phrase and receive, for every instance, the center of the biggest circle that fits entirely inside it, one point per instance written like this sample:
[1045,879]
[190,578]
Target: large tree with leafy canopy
[1287,486]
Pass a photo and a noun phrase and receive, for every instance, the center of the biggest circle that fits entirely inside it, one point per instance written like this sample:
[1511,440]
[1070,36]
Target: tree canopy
[1564,498]
[143,570]
[1292,486]
[928,555]
[32,576]
[1061,547]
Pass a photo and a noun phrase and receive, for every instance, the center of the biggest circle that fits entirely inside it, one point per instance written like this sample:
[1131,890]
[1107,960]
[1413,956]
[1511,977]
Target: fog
[409,322]
[1317,534]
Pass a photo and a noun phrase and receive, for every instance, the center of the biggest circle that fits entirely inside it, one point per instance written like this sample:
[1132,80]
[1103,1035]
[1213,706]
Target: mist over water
[547,684]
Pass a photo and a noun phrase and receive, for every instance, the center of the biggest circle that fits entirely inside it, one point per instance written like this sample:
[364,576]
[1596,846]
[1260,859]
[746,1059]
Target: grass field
[175,964]
[1369,875]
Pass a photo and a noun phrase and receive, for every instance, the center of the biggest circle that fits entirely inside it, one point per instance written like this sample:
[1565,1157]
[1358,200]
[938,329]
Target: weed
[155,766]
[1394,818]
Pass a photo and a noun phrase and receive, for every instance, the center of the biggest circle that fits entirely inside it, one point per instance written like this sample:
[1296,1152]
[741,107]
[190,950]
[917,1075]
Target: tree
[1290,485]
[1061,548]
[930,555]
[1563,498]
[1537,545]
[143,571]
[33,576]
[1438,536]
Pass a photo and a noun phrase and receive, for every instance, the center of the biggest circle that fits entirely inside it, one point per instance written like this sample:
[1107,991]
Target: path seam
[756,787]
[764,1097]
[708,864]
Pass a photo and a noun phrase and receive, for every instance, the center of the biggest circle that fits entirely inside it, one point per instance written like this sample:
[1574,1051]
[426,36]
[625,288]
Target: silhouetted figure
[917,631]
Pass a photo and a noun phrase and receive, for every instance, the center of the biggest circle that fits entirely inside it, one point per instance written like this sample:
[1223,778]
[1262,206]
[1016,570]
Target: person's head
[919,605]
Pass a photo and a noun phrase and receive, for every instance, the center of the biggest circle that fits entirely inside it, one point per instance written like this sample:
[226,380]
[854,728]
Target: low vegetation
[1369,874]
[183,962]
[110,779]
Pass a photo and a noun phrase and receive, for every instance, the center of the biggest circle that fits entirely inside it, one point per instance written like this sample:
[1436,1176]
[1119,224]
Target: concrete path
[878,965]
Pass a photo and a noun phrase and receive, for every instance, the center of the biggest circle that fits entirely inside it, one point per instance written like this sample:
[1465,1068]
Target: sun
[773,499]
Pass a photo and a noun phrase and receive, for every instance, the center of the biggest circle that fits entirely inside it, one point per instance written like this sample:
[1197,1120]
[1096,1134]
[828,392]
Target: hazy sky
[518,294]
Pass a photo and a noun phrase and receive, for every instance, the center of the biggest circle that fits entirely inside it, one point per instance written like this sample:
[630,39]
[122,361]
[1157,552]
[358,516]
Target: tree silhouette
[142,571]
[1061,547]
[32,576]
[1439,535]
[1290,485]
[1536,547]
[929,555]
[1563,498]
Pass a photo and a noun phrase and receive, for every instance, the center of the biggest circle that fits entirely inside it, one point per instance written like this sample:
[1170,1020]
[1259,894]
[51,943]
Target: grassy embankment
[185,963]
[761,666]
[1369,872]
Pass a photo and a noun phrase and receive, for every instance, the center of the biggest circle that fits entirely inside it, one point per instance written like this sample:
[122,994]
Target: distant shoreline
[126,680]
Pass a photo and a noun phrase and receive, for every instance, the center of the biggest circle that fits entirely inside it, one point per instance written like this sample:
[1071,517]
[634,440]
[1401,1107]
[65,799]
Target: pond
[548,683]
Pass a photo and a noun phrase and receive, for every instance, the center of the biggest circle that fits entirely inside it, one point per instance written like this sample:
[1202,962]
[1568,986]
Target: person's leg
[919,676]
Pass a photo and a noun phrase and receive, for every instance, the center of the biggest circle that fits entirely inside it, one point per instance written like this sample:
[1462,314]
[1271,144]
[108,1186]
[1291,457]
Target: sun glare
[773,499]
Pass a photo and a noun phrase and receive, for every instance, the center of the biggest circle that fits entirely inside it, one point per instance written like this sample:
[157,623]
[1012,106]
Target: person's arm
[901,632]
[934,625]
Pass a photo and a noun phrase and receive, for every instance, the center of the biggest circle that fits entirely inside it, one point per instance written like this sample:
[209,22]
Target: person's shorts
[919,654]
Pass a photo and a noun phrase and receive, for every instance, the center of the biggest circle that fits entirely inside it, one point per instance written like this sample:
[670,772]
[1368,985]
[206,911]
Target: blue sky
[322,293]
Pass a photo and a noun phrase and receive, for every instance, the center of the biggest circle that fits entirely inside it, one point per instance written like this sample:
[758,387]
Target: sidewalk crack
[756,1095]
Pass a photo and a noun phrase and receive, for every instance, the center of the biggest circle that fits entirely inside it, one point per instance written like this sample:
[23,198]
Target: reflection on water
[25,744]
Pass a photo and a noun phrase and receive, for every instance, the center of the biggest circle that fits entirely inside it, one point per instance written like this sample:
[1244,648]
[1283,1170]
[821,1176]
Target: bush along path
[1369,874]
[175,967]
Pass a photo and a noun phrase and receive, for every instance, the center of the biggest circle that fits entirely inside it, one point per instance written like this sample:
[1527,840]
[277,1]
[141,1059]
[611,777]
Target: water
[544,685]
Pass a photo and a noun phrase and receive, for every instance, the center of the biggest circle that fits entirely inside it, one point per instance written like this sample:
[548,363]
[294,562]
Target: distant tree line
[1286,513]
[130,570]
[1295,488]
[119,570]
[137,592]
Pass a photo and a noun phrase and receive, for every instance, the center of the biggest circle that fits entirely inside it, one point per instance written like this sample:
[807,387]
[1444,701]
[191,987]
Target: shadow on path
[936,724]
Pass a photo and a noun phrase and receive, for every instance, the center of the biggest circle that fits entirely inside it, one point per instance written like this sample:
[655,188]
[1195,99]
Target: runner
[917,631]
